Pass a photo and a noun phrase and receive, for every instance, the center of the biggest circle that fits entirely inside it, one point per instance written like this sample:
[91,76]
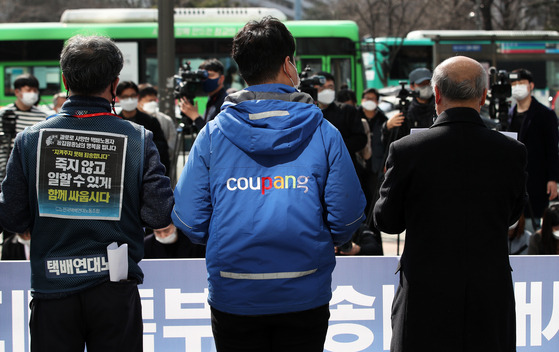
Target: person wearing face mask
[536,126]
[26,90]
[16,246]
[127,93]
[114,166]
[213,86]
[375,118]
[421,111]
[170,242]
[342,116]
[546,240]
[270,190]
[147,103]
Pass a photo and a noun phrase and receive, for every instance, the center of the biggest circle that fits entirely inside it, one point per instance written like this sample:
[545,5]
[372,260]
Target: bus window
[408,59]
[48,77]
[553,75]
[314,64]
[341,70]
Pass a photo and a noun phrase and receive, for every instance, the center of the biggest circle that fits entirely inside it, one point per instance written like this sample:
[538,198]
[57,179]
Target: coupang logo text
[264,184]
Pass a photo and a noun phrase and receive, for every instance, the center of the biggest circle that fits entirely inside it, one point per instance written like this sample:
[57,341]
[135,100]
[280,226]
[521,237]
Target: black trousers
[107,317]
[294,332]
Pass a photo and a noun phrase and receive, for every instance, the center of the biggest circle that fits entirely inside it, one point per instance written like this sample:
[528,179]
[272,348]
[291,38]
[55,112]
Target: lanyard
[86,115]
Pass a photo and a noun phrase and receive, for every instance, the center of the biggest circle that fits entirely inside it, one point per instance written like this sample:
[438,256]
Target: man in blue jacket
[269,186]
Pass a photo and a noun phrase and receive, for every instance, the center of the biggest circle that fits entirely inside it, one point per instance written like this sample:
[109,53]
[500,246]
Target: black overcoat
[455,188]
[540,135]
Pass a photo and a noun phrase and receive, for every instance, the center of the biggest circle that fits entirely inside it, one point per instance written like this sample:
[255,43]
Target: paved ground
[390,244]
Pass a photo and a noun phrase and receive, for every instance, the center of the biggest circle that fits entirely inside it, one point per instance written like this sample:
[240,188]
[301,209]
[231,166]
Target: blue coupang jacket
[269,186]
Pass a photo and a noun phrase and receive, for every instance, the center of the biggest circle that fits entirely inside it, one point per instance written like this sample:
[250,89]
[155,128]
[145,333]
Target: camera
[9,123]
[188,83]
[309,82]
[403,95]
[500,83]
[500,92]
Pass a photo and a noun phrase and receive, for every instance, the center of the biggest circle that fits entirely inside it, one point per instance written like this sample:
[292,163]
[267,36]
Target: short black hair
[90,64]
[371,91]
[26,79]
[260,48]
[327,75]
[523,73]
[125,85]
[148,90]
[212,65]
[345,95]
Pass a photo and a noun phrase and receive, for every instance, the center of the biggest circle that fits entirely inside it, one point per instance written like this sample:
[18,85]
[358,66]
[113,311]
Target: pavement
[390,244]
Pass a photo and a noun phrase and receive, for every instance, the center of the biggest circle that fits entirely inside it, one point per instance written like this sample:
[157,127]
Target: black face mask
[210,85]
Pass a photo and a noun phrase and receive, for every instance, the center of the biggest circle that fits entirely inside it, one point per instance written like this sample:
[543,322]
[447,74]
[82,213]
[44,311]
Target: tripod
[185,139]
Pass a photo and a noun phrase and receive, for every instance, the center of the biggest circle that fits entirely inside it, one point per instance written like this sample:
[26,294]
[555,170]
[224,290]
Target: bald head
[460,80]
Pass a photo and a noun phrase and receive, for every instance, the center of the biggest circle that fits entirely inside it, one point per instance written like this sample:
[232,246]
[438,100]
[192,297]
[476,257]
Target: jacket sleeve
[15,212]
[157,194]
[193,206]
[160,143]
[343,197]
[388,213]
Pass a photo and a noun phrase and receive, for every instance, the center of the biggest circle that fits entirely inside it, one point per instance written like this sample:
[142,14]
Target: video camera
[500,92]
[309,82]
[188,83]
[403,95]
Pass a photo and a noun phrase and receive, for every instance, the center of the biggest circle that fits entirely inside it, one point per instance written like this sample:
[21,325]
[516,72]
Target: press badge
[80,174]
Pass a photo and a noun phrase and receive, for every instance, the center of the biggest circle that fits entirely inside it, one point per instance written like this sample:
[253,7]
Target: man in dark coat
[455,188]
[536,126]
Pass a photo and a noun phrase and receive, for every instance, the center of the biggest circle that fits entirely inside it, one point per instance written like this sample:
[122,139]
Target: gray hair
[467,89]
[90,63]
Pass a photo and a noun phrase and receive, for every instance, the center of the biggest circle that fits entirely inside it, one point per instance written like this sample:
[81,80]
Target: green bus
[200,33]
[390,60]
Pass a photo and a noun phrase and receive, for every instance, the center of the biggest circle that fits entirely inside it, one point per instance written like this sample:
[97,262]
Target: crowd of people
[272,173]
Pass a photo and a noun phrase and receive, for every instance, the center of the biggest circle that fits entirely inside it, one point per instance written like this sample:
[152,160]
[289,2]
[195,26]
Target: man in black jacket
[536,125]
[421,111]
[342,116]
[456,202]
[127,93]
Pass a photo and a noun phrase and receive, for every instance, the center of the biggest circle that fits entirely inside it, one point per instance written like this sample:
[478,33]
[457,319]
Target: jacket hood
[268,119]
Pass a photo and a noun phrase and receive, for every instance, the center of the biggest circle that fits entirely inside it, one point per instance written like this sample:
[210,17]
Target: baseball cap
[420,75]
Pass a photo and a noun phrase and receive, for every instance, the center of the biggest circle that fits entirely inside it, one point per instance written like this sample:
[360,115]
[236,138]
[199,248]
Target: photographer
[26,90]
[536,126]
[421,111]
[213,86]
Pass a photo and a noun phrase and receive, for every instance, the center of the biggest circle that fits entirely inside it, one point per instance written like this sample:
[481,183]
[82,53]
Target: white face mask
[326,96]
[172,238]
[369,105]
[520,91]
[29,98]
[129,104]
[425,92]
[150,107]
[296,86]
[556,235]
